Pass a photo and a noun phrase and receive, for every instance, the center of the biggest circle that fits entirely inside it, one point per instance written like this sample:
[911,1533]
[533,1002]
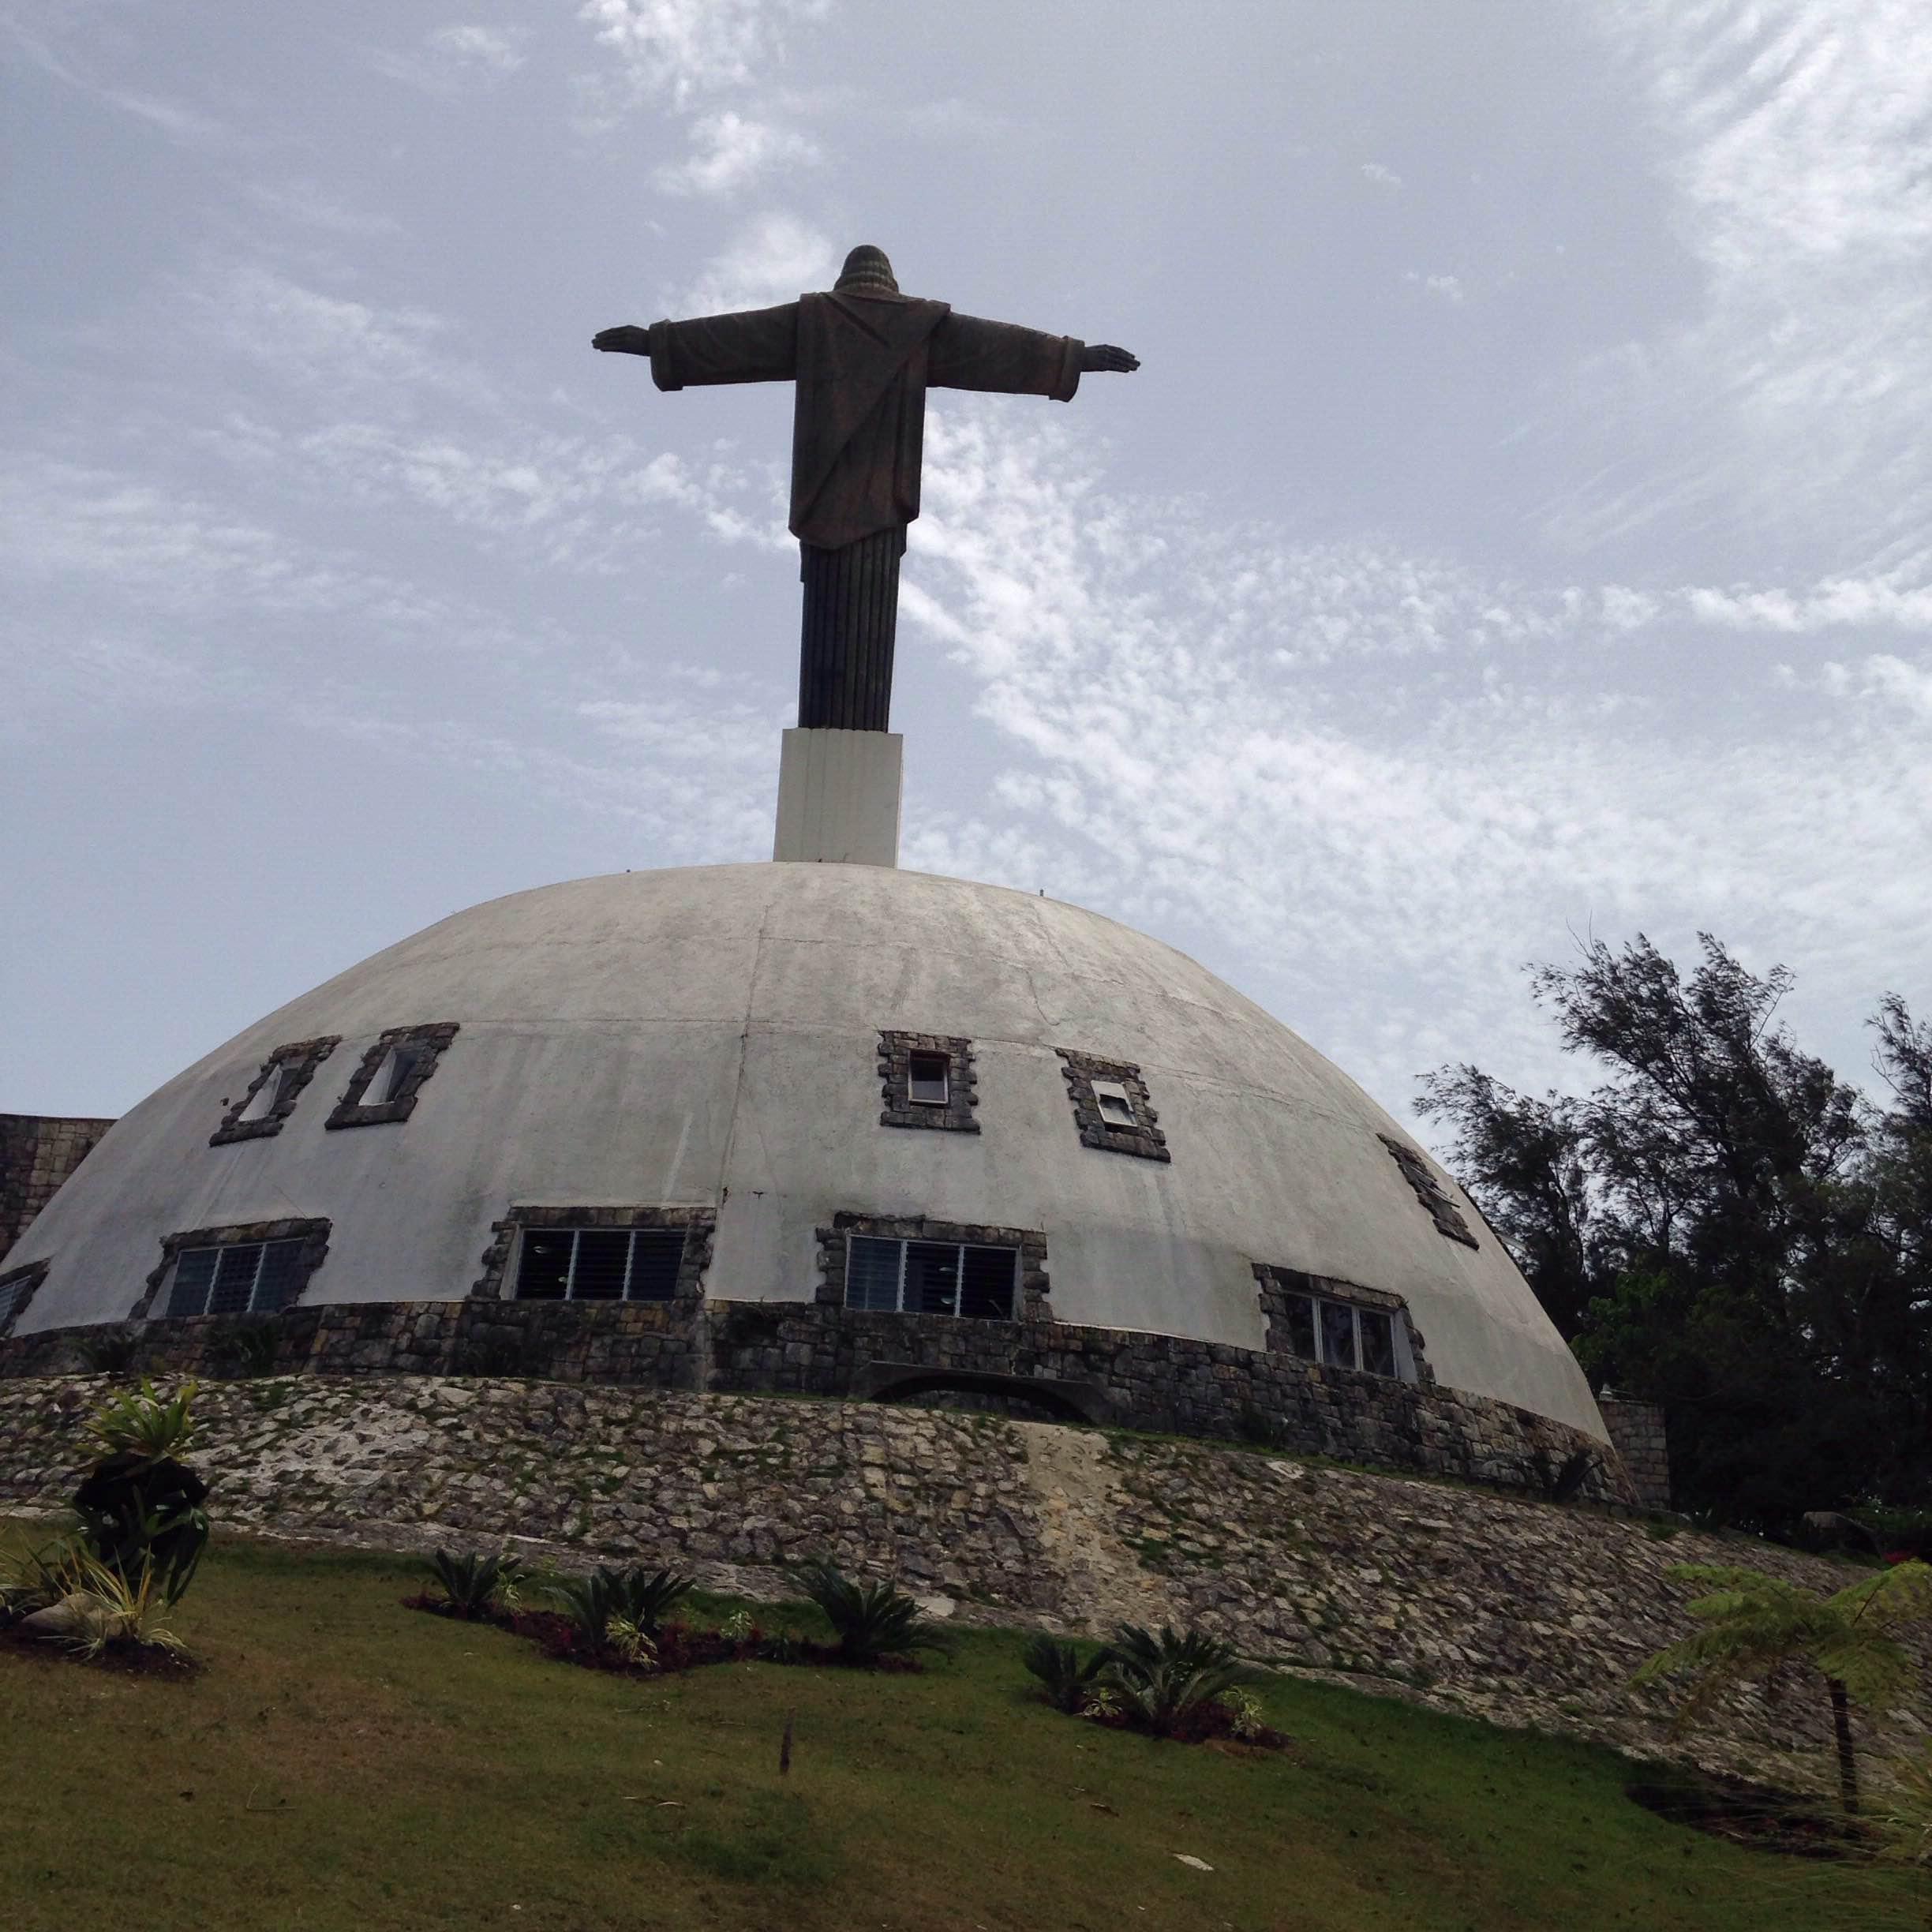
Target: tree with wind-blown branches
[1753,1624]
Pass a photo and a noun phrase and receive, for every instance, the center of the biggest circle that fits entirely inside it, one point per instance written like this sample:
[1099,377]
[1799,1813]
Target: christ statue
[862,357]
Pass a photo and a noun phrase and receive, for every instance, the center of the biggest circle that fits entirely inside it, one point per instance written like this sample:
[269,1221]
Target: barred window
[599,1264]
[239,1277]
[930,1278]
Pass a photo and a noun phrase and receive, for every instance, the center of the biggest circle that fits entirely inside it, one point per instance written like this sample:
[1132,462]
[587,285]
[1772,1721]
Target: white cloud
[730,152]
[1380,177]
[1445,287]
[769,259]
[451,59]
[685,47]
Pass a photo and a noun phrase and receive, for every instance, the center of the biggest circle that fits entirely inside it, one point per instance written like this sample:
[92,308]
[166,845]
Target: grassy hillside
[342,1763]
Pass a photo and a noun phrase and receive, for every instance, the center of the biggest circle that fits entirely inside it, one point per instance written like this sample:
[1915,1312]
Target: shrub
[635,1597]
[112,1353]
[140,1509]
[870,1620]
[1067,1679]
[249,1350]
[476,1585]
[99,1604]
[1162,1675]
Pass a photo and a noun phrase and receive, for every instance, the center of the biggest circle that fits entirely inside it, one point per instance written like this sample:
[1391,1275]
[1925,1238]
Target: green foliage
[1159,1675]
[112,1352]
[635,1598]
[249,1350]
[1724,1226]
[142,1423]
[100,1604]
[870,1620]
[1067,1679]
[1753,1624]
[476,1584]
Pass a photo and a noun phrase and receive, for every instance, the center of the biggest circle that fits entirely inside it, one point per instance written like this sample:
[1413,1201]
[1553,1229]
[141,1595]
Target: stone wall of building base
[1159,1384]
[1521,1612]
[37,1154]
[1637,1429]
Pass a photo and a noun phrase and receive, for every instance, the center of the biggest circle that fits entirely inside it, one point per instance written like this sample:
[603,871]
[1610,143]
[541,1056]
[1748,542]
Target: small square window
[1116,1109]
[927,1081]
[1112,1107]
[271,1096]
[391,1076]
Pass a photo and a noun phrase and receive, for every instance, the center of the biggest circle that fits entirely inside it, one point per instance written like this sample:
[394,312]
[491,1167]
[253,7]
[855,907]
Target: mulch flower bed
[679,1647]
[1201,1724]
[125,1658]
[1754,1815]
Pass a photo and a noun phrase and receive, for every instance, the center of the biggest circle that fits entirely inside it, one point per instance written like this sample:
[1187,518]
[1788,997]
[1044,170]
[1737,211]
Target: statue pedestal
[838,797]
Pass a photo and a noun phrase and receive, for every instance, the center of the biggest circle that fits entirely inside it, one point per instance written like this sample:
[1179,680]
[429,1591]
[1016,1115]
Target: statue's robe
[863,360]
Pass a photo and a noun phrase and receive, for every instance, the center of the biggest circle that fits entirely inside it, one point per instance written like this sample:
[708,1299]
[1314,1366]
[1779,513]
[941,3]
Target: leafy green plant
[111,1353]
[1160,1675]
[99,1604]
[143,1423]
[1067,1679]
[870,1620]
[475,1584]
[635,1598]
[249,1350]
[1753,1624]
[1247,1721]
[630,1643]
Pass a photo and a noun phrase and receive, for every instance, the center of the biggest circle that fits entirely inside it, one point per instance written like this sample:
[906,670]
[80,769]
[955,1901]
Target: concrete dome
[710,1036]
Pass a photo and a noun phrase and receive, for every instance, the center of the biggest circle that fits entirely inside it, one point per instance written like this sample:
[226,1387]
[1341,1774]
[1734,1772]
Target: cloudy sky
[1517,529]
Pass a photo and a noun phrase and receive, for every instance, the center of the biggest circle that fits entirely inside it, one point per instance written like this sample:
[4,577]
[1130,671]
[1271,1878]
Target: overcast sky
[1517,529]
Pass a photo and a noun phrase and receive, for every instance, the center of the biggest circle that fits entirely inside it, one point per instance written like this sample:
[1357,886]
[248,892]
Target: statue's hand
[1105,356]
[627,340]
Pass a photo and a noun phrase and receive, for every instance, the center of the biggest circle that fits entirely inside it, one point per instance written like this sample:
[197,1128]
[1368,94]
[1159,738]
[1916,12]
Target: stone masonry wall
[1129,1379]
[1524,1612]
[1637,1429]
[37,1154]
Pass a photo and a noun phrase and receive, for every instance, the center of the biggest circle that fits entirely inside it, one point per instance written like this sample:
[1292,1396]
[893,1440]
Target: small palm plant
[140,1506]
[1161,1675]
[636,1599]
[473,1584]
[1068,1680]
[871,1620]
[1753,1624]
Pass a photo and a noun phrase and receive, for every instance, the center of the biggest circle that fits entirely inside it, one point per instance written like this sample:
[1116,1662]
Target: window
[1339,1324]
[925,1084]
[930,1278]
[926,1080]
[392,1075]
[599,1264]
[272,1095]
[238,1277]
[1111,1106]
[17,1290]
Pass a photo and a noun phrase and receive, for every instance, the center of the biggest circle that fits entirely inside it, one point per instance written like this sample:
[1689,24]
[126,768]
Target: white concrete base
[838,797]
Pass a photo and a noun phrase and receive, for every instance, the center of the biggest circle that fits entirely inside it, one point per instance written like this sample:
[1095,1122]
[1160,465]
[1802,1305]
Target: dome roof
[710,1036]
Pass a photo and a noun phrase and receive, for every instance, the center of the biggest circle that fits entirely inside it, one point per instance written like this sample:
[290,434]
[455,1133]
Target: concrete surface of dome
[709,1036]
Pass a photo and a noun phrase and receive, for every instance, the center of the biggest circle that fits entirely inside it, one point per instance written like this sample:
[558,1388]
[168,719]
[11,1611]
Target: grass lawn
[342,1762]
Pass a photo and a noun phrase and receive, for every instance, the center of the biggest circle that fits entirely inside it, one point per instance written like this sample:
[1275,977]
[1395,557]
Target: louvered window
[930,1278]
[241,1278]
[600,1264]
[1340,1334]
[12,1295]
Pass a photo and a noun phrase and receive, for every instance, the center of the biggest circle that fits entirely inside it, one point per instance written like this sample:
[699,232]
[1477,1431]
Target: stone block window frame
[312,1232]
[899,1053]
[834,1247]
[272,1093]
[17,1290]
[1091,1081]
[1430,1192]
[405,1057]
[1318,1319]
[497,1282]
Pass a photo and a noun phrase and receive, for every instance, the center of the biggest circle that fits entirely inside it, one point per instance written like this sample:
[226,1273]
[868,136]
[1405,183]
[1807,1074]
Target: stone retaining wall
[1132,1379]
[1524,1613]
[1637,1429]
[37,1154]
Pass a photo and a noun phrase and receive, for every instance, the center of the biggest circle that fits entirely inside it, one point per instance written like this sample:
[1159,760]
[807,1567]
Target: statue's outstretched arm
[1103,356]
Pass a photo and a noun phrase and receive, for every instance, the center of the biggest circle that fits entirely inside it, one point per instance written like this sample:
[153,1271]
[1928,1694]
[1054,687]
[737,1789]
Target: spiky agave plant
[1067,1679]
[145,1425]
[870,1620]
[474,1583]
[645,1599]
[100,1604]
[1163,1674]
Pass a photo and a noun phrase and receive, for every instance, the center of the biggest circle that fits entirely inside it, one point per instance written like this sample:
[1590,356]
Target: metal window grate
[11,1296]
[930,1278]
[241,1278]
[600,1264]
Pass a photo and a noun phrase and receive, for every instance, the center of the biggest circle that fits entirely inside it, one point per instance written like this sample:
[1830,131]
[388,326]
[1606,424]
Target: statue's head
[867,267]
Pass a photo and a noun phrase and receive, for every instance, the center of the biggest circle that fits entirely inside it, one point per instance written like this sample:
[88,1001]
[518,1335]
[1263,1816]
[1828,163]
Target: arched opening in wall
[1020,1398]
